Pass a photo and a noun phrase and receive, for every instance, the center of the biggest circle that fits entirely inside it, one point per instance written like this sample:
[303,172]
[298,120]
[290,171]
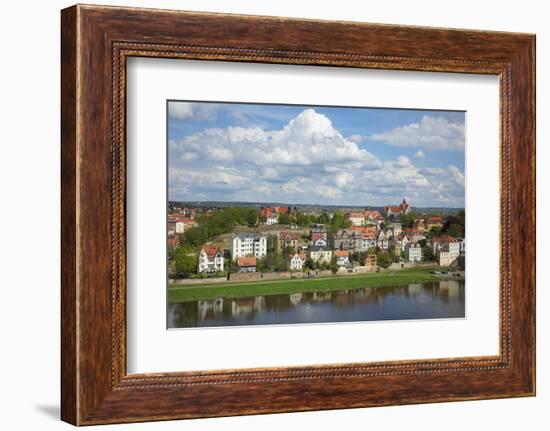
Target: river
[441,299]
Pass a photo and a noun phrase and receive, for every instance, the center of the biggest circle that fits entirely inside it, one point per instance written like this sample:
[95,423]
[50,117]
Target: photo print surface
[296,214]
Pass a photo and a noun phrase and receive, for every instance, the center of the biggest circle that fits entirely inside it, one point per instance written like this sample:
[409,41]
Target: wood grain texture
[96,41]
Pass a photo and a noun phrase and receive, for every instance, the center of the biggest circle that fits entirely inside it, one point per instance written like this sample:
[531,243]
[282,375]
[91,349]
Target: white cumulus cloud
[305,161]
[189,110]
[434,133]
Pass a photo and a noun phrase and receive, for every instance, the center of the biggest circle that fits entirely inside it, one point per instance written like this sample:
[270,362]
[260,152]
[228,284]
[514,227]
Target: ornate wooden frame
[95,43]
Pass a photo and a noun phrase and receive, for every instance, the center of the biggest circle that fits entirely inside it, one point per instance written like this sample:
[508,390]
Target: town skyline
[298,205]
[229,152]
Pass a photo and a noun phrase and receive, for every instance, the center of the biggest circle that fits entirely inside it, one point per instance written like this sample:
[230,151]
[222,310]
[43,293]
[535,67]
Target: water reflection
[443,299]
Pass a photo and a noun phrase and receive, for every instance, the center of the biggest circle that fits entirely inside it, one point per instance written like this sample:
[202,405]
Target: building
[246,264]
[446,248]
[320,242]
[355,218]
[382,242]
[288,240]
[396,229]
[347,239]
[342,257]
[462,243]
[413,252]
[318,231]
[368,241]
[173,242]
[397,210]
[452,244]
[320,254]
[399,243]
[171,228]
[368,230]
[418,225]
[433,221]
[272,219]
[210,260]
[297,261]
[373,217]
[183,224]
[371,262]
[249,244]
[414,235]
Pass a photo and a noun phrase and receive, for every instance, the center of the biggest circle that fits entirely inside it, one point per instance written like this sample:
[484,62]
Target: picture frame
[96,42]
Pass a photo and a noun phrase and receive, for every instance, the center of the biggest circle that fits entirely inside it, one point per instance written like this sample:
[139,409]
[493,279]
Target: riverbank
[237,290]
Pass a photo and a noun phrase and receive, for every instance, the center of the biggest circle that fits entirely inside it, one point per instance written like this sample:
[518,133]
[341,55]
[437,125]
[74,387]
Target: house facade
[249,244]
[246,264]
[317,232]
[397,210]
[382,242]
[356,218]
[342,257]
[320,254]
[272,219]
[433,221]
[371,262]
[446,248]
[347,239]
[288,239]
[210,260]
[413,252]
[297,261]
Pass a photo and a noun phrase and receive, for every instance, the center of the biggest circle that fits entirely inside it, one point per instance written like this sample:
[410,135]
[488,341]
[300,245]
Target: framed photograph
[324,214]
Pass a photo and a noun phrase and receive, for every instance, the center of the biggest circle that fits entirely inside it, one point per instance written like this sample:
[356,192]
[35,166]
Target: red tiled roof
[372,214]
[341,253]
[246,261]
[367,230]
[393,208]
[435,219]
[294,236]
[444,238]
[210,250]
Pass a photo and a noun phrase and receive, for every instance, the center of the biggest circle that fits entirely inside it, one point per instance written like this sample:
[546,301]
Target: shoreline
[178,293]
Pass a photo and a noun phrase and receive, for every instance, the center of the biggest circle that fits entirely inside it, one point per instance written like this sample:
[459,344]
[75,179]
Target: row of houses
[248,247]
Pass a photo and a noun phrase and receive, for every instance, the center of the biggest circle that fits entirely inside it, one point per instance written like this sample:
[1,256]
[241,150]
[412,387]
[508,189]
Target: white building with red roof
[210,260]
[397,210]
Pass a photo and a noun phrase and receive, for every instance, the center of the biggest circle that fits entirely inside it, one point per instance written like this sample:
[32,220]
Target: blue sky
[315,154]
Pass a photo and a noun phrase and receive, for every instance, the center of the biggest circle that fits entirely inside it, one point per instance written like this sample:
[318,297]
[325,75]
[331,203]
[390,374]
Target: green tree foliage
[309,263]
[384,259]
[338,221]
[427,254]
[252,217]
[333,265]
[284,219]
[407,220]
[185,260]
[219,222]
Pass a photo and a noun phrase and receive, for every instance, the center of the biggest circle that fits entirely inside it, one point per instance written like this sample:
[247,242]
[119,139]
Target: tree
[427,254]
[384,259]
[333,265]
[455,230]
[309,263]
[284,218]
[407,220]
[252,217]
[186,260]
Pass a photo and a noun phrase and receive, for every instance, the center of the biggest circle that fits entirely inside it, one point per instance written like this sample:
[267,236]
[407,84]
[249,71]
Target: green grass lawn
[178,293]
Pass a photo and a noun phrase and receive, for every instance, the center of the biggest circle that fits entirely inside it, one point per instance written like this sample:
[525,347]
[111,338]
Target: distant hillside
[306,207]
